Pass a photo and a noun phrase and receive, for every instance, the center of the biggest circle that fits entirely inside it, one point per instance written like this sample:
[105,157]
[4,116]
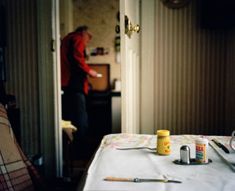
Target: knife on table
[134,148]
[220,145]
[137,180]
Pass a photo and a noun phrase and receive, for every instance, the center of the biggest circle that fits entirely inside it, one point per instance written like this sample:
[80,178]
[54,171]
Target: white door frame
[145,83]
[57,87]
[49,86]
[130,70]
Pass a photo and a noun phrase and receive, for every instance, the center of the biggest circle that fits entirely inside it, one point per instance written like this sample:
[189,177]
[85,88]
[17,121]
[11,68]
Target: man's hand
[93,73]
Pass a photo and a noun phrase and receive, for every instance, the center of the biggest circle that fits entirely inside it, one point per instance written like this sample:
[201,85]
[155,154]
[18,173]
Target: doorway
[104,104]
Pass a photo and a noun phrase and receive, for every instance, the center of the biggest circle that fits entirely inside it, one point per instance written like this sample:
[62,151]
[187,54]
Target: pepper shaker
[185,154]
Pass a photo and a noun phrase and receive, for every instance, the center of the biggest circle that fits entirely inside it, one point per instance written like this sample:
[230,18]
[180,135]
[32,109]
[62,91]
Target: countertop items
[225,149]
[147,164]
[138,180]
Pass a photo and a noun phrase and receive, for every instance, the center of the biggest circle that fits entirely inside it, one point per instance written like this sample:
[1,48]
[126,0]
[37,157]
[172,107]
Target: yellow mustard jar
[163,142]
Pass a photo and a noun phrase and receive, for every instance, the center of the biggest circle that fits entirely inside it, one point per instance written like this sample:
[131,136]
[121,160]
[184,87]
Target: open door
[55,48]
[130,65]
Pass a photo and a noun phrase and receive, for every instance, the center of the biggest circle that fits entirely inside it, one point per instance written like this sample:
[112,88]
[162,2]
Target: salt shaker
[185,154]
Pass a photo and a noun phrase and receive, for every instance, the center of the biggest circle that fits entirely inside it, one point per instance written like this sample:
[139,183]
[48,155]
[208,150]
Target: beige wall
[194,85]
[100,16]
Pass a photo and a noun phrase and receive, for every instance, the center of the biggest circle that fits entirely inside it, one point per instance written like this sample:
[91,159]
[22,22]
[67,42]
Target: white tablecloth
[109,161]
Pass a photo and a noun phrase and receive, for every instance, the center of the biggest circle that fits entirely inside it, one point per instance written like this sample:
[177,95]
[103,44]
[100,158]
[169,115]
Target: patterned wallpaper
[100,16]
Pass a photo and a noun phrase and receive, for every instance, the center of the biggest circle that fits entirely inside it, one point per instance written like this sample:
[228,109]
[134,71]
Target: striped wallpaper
[21,63]
[192,86]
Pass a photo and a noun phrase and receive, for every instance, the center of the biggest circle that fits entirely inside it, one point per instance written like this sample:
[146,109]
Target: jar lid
[201,141]
[163,133]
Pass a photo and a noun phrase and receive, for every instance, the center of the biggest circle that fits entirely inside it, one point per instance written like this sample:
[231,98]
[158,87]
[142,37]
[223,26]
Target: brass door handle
[130,28]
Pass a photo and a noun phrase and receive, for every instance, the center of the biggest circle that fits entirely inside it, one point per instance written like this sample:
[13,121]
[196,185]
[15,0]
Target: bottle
[163,142]
[201,150]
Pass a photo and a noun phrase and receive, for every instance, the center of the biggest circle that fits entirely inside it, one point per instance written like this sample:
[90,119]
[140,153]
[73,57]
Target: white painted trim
[147,66]
[124,112]
[57,88]
[130,61]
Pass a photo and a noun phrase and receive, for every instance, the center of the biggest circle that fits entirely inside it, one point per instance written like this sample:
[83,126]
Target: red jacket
[74,69]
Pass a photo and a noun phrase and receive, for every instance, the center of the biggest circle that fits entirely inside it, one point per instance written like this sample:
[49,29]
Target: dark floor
[76,162]
[74,181]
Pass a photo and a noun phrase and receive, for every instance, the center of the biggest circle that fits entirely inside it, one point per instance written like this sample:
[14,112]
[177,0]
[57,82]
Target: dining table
[129,162]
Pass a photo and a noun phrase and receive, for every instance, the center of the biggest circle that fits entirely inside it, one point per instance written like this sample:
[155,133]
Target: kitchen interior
[103,55]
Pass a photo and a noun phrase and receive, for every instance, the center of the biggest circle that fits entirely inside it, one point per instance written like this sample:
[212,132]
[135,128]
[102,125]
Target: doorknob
[130,28]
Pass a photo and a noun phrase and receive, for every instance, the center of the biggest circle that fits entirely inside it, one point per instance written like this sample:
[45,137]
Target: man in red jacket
[74,71]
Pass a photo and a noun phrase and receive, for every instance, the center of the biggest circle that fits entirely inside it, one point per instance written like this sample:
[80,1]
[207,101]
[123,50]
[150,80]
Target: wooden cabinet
[99,102]
[99,113]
